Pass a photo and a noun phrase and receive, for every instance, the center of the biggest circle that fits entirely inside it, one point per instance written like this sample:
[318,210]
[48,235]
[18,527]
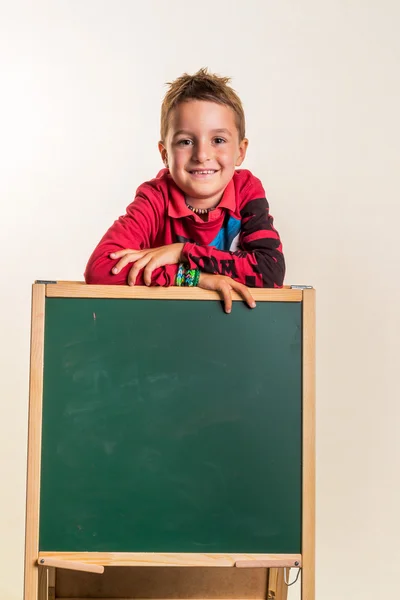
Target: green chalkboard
[169,426]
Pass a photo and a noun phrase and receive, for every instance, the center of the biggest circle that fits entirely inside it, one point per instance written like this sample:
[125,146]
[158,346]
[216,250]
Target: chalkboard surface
[169,426]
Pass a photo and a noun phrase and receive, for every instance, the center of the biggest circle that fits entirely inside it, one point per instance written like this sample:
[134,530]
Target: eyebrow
[225,131]
[214,131]
[182,132]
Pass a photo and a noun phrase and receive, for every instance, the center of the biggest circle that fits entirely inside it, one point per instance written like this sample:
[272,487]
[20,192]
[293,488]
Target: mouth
[203,172]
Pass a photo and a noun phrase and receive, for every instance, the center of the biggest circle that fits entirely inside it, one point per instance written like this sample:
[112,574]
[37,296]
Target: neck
[200,210]
[203,203]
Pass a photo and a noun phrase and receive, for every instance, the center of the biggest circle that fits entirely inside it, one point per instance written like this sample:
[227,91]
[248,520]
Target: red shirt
[238,239]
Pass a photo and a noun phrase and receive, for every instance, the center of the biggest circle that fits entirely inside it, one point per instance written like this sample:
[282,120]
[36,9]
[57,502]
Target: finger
[244,292]
[122,263]
[138,265]
[128,258]
[133,273]
[225,290]
[132,254]
[119,253]
[148,272]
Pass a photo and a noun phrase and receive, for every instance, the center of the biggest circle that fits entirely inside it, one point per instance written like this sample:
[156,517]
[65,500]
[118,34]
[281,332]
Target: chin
[203,192]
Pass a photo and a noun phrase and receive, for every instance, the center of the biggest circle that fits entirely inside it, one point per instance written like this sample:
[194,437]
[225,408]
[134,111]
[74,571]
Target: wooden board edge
[70,282]
[34,442]
[81,290]
[58,563]
[154,559]
[278,561]
[308,491]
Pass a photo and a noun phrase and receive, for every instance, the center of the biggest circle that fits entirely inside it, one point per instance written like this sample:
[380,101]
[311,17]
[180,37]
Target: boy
[200,221]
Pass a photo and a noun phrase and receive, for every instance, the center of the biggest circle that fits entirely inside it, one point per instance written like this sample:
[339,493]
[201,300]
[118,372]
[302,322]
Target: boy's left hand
[148,259]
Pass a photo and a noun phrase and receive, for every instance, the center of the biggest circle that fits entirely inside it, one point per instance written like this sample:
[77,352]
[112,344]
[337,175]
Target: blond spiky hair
[201,86]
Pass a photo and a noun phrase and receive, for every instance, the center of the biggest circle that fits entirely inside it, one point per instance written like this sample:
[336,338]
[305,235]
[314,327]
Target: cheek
[228,159]
[179,158]
[226,154]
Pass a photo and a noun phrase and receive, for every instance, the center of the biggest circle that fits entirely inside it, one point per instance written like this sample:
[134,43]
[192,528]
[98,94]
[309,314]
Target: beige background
[81,84]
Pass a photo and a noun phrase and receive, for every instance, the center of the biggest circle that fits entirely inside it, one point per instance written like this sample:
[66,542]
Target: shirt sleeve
[137,229]
[259,262]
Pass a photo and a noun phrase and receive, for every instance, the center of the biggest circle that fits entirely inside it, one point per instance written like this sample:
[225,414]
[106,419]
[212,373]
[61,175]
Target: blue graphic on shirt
[227,238]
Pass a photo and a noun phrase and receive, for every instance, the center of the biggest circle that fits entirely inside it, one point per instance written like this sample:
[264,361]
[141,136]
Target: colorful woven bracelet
[180,276]
[197,277]
[192,277]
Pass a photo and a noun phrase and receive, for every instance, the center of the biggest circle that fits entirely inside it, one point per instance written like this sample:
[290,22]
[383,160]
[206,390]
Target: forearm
[260,268]
[99,271]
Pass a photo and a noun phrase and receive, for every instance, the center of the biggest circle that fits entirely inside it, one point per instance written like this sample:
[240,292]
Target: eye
[184,142]
[219,140]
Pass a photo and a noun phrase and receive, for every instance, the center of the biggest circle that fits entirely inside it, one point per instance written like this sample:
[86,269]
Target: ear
[163,151]
[242,151]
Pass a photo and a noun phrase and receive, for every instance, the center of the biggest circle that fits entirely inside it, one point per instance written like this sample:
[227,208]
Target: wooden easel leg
[31,575]
[272,584]
[31,583]
[52,583]
[276,587]
[43,587]
[281,585]
[46,583]
[308,520]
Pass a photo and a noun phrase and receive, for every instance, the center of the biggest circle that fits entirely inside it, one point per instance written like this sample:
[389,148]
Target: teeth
[203,172]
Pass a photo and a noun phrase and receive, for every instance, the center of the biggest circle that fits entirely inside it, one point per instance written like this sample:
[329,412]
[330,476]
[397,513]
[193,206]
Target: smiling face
[202,149]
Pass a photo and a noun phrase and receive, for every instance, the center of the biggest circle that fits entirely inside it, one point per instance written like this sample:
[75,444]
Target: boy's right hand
[224,285]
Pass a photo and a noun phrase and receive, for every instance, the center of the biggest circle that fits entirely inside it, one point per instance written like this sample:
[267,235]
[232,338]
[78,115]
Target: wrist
[186,276]
[192,277]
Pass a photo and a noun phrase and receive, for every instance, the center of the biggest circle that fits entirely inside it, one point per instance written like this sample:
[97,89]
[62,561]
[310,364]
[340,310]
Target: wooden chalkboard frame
[92,561]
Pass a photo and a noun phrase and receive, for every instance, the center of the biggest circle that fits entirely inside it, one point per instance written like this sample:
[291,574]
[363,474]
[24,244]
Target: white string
[285,578]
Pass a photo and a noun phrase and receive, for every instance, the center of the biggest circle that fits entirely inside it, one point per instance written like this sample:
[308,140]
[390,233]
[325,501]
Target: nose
[201,152]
